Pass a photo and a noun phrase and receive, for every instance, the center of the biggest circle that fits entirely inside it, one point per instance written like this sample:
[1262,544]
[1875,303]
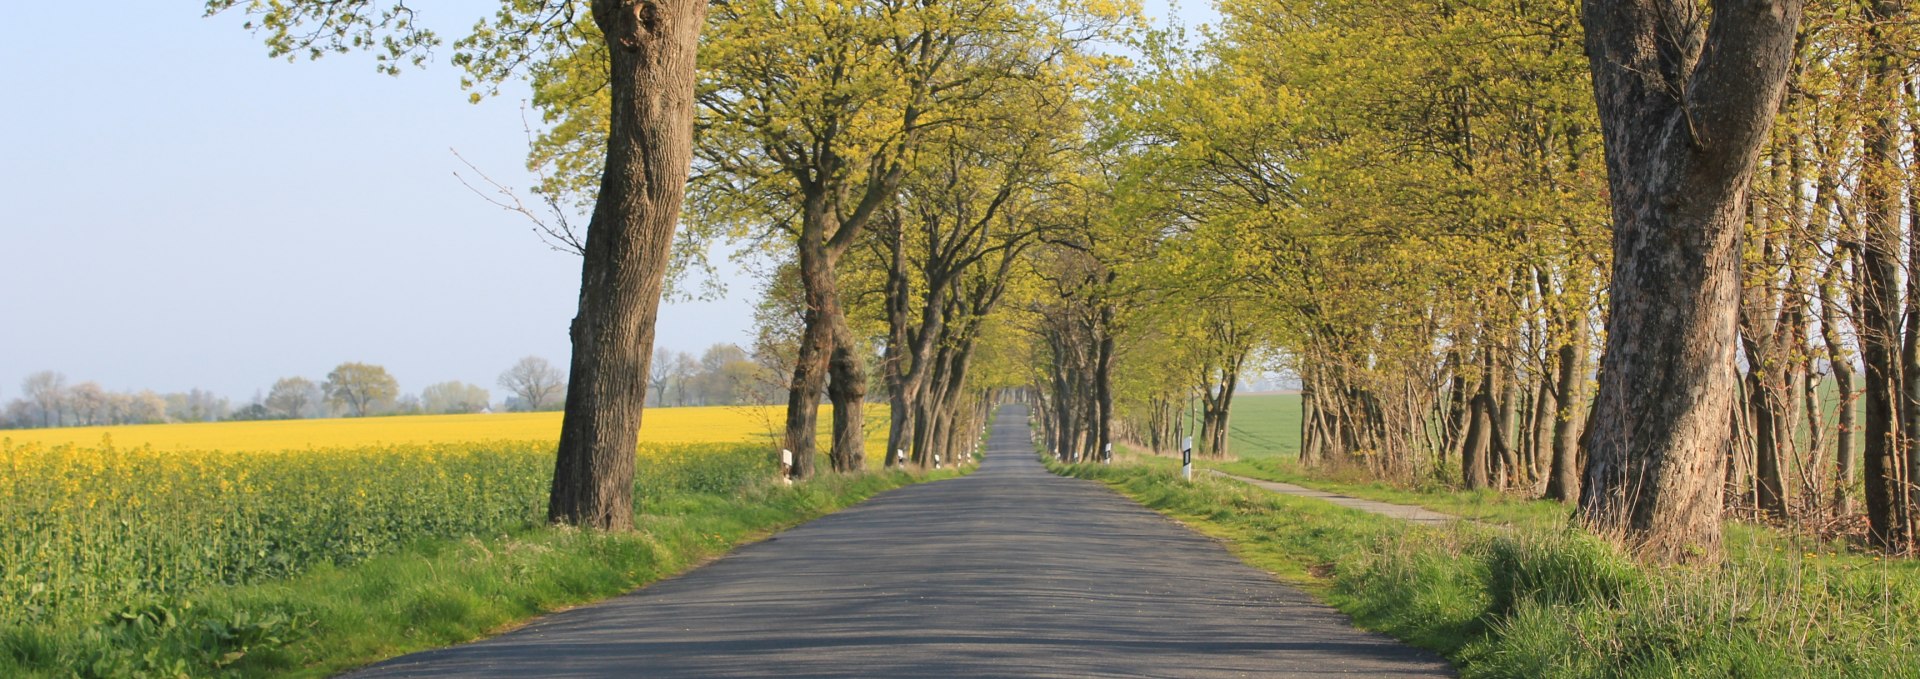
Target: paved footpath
[1007,572]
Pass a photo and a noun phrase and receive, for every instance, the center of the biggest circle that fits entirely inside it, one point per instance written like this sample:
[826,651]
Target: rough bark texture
[1480,431]
[1840,362]
[849,393]
[816,351]
[1684,107]
[893,363]
[1563,480]
[1889,506]
[651,47]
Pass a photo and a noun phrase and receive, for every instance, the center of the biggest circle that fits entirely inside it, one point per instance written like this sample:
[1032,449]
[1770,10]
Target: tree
[1685,104]
[662,378]
[811,114]
[535,381]
[88,404]
[250,412]
[1892,408]
[453,397]
[293,398]
[47,391]
[683,370]
[647,48]
[196,405]
[361,389]
[722,375]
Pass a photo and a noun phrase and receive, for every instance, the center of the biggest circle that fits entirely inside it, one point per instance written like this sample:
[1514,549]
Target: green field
[1263,426]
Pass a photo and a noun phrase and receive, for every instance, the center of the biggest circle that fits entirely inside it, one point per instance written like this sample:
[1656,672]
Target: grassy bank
[1544,601]
[380,584]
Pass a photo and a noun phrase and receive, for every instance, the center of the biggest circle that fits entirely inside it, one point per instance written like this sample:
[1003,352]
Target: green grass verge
[1537,601]
[1486,505]
[431,593]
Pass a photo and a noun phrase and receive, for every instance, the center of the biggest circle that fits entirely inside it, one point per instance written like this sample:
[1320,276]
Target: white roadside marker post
[1186,459]
[1107,457]
[786,466]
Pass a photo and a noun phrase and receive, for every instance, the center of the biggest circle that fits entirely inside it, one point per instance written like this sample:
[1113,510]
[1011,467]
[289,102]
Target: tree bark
[1684,107]
[816,351]
[893,365]
[1103,382]
[651,47]
[1480,430]
[1563,481]
[848,390]
[1889,506]
[1545,404]
[1841,363]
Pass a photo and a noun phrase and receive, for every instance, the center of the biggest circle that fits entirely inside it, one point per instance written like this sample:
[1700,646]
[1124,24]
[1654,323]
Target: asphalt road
[1008,572]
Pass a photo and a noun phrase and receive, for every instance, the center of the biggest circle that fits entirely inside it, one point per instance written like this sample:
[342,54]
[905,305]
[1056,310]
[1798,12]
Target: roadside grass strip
[1535,599]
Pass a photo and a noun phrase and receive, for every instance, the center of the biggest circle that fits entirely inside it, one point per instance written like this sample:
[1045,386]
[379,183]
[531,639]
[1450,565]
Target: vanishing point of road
[1008,572]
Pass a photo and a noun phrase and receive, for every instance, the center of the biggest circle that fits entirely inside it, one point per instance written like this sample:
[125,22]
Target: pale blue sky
[181,211]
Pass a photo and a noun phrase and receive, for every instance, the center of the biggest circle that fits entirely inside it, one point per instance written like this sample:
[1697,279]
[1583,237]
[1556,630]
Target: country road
[1008,572]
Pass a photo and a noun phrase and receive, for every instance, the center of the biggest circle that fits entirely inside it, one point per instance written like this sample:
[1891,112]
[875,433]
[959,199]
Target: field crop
[715,424]
[122,515]
[83,528]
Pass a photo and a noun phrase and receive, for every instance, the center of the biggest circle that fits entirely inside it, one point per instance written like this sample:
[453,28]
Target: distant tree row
[723,375]
[47,400]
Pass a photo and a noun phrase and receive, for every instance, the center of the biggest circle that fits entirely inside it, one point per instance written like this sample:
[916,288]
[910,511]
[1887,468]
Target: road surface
[1007,572]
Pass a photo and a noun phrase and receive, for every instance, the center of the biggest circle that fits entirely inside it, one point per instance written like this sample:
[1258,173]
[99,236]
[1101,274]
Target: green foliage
[361,388]
[314,28]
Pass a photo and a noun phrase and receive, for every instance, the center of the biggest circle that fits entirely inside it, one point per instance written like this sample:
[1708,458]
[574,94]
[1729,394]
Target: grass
[432,593]
[1538,601]
[1262,426]
[1265,426]
[1486,505]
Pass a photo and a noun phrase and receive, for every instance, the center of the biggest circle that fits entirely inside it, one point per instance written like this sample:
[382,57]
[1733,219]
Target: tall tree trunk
[1456,415]
[1223,431]
[1766,410]
[810,368]
[1889,510]
[895,362]
[1563,481]
[1912,467]
[1505,453]
[1544,406]
[848,390]
[1310,442]
[1480,429]
[1840,361]
[1684,108]
[651,45]
[1103,382]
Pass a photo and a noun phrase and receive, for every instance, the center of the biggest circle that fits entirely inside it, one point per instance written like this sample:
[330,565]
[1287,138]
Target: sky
[178,210]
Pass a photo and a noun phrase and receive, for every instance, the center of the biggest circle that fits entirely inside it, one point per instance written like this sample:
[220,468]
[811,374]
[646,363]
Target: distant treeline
[723,375]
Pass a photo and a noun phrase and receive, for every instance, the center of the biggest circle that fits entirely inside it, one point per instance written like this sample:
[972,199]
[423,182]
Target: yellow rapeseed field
[715,424]
[114,517]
